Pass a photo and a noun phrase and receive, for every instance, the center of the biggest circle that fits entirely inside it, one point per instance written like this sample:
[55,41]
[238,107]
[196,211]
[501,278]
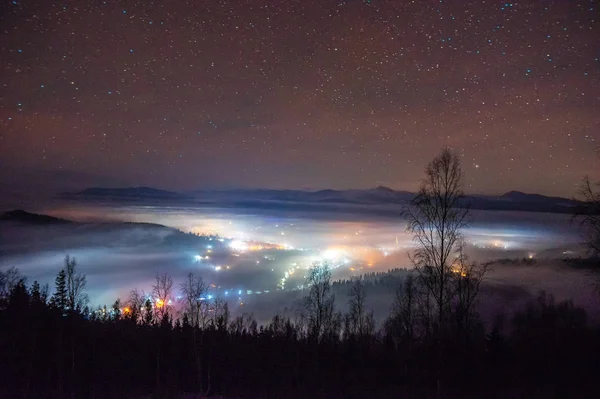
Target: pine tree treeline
[135,350]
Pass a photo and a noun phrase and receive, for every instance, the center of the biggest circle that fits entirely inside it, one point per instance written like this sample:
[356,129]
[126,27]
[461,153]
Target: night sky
[302,94]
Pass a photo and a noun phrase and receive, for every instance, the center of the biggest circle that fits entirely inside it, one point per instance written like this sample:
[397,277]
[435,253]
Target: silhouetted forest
[53,346]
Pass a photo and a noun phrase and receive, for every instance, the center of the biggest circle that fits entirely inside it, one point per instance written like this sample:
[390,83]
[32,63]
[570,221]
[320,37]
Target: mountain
[379,195]
[128,193]
[524,197]
[289,199]
[31,187]
[519,201]
[359,200]
[31,218]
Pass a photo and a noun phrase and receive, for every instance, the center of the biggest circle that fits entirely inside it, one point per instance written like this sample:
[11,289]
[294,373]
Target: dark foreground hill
[22,216]
[24,232]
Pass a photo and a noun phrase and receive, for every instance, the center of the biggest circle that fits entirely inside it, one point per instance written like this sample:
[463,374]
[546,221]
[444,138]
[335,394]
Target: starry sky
[302,93]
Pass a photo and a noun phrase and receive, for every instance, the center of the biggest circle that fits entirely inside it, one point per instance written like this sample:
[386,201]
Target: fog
[261,252]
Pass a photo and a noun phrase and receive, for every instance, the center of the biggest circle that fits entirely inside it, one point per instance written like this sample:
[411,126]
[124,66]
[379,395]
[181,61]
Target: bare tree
[590,214]
[318,310]
[402,321]
[435,220]
[9,279]
[161,291]
[467,280]
[220,314]
[135,306]
[360,322]
[194,289]
[77,299]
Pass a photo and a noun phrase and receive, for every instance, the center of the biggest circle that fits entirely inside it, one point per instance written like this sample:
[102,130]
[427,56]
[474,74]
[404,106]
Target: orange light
[126,310]
[160,303]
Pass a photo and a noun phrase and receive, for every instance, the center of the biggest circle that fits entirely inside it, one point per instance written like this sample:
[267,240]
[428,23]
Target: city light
[238,245]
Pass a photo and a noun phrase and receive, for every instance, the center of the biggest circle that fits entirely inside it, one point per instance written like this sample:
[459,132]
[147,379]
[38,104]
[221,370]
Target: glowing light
[459,270]
[332,254]
[238,245]
[126,310]
[197,258]
[217,268]
[159,303]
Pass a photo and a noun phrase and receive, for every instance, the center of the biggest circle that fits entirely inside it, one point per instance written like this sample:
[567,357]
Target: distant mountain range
[128,193]
[300,199]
